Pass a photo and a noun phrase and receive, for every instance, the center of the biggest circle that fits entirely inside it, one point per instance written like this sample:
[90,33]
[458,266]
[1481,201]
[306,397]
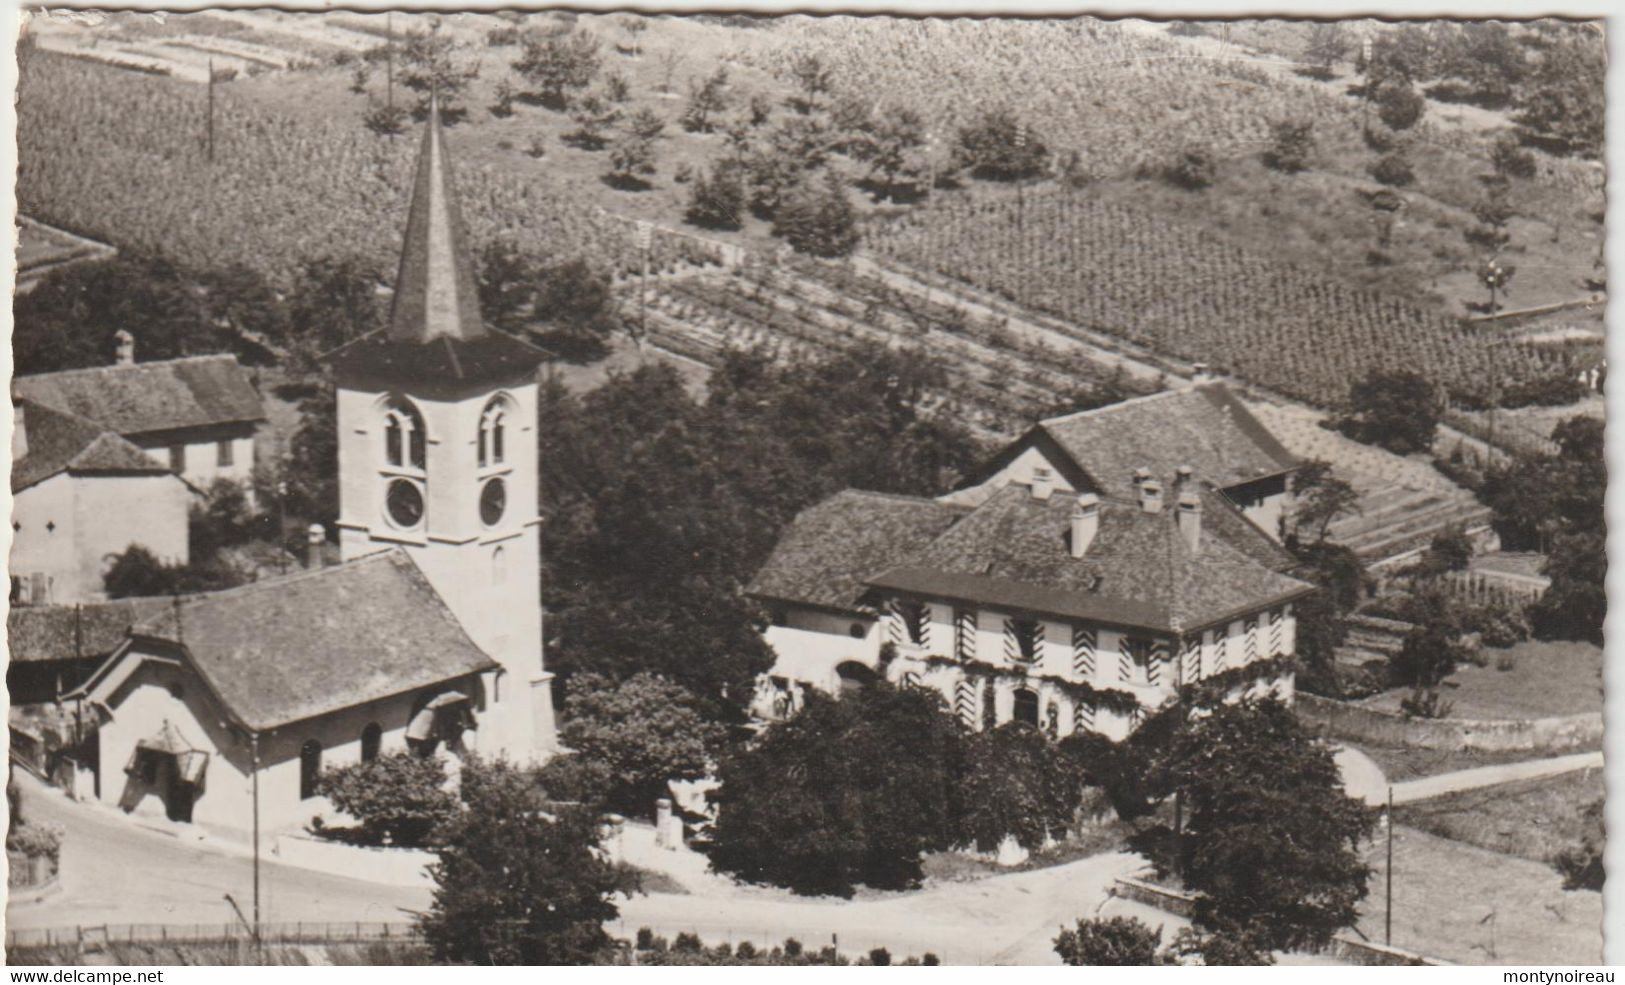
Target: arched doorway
[854,676]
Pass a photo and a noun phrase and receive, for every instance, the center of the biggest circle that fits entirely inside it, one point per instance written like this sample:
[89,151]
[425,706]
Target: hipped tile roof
[63,442]
[39,633]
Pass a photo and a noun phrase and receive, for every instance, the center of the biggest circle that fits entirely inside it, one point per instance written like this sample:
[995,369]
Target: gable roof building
[145,398]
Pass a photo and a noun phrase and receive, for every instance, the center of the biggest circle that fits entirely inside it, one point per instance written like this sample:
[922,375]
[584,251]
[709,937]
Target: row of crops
[998,382]
[121,157]
[1181,290]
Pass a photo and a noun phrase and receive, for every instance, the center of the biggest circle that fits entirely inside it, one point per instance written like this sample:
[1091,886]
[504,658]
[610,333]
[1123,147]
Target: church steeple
[435,292]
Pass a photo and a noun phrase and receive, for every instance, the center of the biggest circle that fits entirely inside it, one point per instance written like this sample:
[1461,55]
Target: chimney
[1043,484]
[1200,373]
[125,348]
[1190,520]
[315,535]
[1151,496]
[1085,523]
[1182,479]
[19,432]
[1141,475]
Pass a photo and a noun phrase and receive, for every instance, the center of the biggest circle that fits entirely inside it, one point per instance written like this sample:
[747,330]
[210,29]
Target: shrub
[1582,864]
[818,219]
[1193,169]
[1399,106]
[717,199]
[399,799]
[1109,942]
[1424,702]
[1426,657]
[35,840]
[1017,784]
[880,957]
[1293,145]
[1393,170]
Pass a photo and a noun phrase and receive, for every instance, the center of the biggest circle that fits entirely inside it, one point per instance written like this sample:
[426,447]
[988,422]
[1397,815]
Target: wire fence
[212,933]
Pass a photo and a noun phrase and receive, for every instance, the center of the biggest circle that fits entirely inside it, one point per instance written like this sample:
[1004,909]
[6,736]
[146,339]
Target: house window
[493,433]
[224,453]
[371,738]
[404,440]
[1023,638]
[1025,709]
[310,768]
[177,458]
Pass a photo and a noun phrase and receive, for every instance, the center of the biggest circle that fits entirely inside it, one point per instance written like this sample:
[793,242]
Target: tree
[1110,942]
[1450,550]
[223,519]
[1000,146]
[894,149]
[1399,105]
[1293,145]
[1510,160]
[516,885]
[558,66]
[818,219]
[631,158]
[717,199]
[1495,275]
[1395,409]
[334,300]
[706,98]
[594,116]
[814,78]
[1327,45]
[431,66]
[1017,785]
[313,460]
[1426,657]
[138,572]
[399,799]
[847,791]
[1562,101]
[645,730]
[1493,211]
[1404,55]
[1321,499]
[1271,844]
[575,303]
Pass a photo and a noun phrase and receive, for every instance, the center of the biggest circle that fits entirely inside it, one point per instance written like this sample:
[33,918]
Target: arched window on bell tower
[493,433]
[405,443]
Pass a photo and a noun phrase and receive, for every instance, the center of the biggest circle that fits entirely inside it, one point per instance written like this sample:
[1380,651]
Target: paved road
[1490,776]
[116,872]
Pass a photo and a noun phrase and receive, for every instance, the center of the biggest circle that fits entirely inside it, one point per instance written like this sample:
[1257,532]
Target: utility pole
[645,241]
[1388,916]
[254,768]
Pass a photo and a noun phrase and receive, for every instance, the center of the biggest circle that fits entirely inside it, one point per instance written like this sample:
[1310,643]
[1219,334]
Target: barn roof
[136,398]
[288,649]
[1202,426]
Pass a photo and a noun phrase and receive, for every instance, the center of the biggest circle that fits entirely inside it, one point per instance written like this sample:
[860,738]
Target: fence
[1496,586]
[211,933]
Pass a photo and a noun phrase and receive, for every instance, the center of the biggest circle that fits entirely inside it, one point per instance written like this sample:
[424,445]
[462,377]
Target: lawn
[1533,820]
[1471,906]
[1546,679]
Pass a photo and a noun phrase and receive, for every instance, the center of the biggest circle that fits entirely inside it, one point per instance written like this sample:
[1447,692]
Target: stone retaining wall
[1356,723]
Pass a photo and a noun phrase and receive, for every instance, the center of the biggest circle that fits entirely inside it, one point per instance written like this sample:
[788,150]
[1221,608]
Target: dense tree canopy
[1397,410]
[644,731]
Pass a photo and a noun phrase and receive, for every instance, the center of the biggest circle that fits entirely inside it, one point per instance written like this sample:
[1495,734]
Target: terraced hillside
[1000,381]
[1403,502]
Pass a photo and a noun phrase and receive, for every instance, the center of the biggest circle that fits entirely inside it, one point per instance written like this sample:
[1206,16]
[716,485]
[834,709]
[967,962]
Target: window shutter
[1221,649]
[1277,632]
[1192,671]
[965,634]
[1250,638]
[965,702]
[1083,717]
[1084,641]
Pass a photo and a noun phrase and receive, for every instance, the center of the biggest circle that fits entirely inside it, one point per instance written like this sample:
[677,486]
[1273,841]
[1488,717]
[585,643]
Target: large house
[1085,576]
[426,636]
[198,415]
[80,494]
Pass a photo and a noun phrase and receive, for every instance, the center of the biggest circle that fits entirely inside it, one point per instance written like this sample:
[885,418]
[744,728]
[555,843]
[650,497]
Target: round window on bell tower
[404,503]
[493,502]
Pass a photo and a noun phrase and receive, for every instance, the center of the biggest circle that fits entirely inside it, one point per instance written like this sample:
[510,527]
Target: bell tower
[437,417]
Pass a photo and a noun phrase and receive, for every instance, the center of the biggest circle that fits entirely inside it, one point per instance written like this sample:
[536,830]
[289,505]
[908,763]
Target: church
[1092,569]
[222,709]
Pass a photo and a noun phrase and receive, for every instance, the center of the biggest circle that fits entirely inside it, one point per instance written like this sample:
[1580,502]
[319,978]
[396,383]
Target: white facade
[203,455]
[810,645]
[65,528]
[487,573]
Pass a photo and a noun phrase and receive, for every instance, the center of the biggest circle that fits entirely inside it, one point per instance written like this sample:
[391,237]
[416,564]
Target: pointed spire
[435,292]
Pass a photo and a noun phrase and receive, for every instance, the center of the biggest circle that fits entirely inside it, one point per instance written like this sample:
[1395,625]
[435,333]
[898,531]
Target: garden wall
[1356,723]
[389,866]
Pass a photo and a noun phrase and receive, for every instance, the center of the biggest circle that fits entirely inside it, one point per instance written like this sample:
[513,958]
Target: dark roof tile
[67,632]
[61,442]
[137,398]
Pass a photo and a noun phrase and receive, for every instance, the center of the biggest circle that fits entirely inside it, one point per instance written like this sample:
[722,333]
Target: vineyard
[1186,292]
[120,157]
[998,382]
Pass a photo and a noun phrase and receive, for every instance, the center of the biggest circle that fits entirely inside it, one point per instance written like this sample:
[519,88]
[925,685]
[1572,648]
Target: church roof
[1203,426]
[137,398]
[284,650]
[62,442]
[435,291]
[436,333]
